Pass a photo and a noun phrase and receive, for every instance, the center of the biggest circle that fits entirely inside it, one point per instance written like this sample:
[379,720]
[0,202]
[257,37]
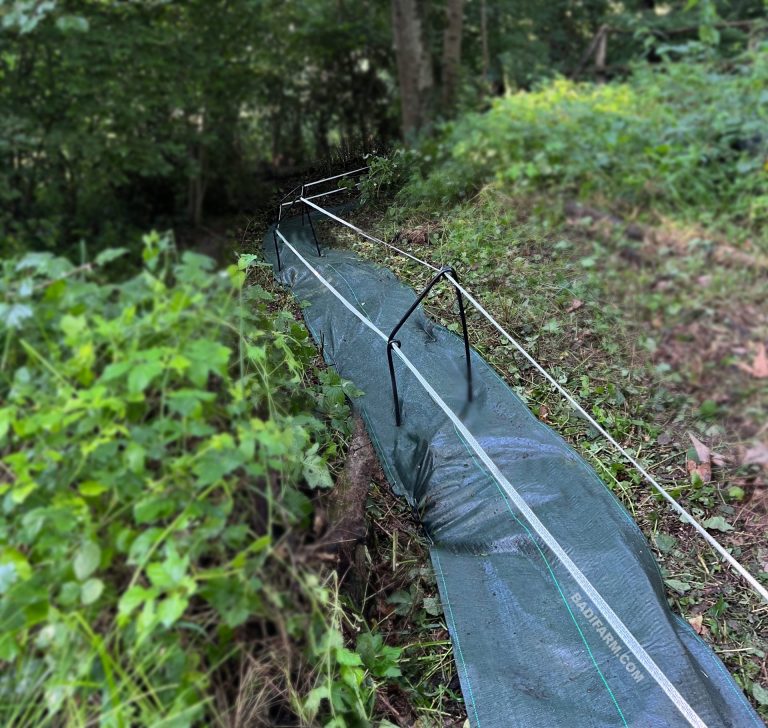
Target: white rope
[332,192]
[680,510]
[322,194]
[550,541]
[366,235]
[713,542]
[336,176]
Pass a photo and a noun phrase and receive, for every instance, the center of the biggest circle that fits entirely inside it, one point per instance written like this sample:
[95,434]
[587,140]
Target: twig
[87,267]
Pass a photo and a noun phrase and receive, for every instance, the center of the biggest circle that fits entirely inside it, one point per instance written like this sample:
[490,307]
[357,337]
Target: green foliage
[380,659]
[686,138]
[158,436]
[119,116]
[385,175]
[529,41]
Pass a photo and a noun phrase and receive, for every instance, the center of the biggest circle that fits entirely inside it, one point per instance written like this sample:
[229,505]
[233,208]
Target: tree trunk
[600,56]
[414,65]
[484,38]
[452,52]
[197,180]
[197,185]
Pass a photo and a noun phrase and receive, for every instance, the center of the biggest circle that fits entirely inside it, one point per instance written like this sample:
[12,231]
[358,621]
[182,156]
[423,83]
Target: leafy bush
[160,440]
[684,137]
[384,174]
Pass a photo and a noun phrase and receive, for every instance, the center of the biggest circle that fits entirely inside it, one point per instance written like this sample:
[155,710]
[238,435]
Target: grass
[404,605]
[643,333]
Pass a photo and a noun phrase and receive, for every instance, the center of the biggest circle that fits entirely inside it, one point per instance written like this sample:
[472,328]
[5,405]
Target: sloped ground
[659,330]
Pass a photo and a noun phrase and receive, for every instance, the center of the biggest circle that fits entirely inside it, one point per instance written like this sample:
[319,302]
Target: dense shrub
[159,437]
[683,137]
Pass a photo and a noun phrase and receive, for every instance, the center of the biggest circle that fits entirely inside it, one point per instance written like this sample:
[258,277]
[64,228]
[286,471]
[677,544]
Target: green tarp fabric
[530,648]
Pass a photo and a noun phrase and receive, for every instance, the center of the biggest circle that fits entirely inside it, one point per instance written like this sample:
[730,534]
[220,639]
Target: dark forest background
[120,115]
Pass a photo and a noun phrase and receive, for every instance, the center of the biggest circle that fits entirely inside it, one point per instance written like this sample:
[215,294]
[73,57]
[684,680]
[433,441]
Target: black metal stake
[314,234]
[462,316]
[277,249]
[393,378]
[391,341]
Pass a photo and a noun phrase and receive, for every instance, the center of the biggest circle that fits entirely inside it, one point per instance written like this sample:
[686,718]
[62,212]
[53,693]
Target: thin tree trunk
[484,38]
[414,65]
[197,182]
[600,56]
[452,52]
[197,185]
[592,50]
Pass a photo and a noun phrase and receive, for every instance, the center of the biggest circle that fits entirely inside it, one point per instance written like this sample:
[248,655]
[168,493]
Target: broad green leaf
[13,316]
[141,376]
[759,693]
[718,523]
[92,488]
[8,647]
[76,23]
[73,326]
[171,608]
[21,566]
[116,370]
[736,493]
[169,573]
[347,657]
[38,262]
[8,576]
[142,543]
[22,490]
[206,356]
[677,585]
[133,598]
[110,254]
[91,590]
[175,565]
[664,542]
[159,576]
[245,260]
[134,457]
[432,606]
[189,402]
[7,415]
[214,465]
[316,472]
[153,508]
[87,559]
[315,698]
[69,594]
